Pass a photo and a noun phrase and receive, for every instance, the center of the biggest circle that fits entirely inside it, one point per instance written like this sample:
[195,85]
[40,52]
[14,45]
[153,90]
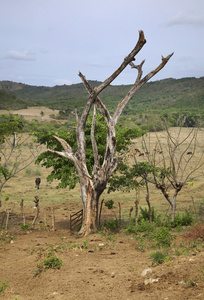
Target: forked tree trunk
[172,203]
[92,186]
[91,208]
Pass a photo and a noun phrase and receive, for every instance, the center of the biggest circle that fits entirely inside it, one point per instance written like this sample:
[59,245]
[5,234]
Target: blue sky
[46,42]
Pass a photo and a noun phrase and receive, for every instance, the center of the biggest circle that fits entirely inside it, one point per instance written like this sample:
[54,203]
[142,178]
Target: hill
[154,97]
[8,100]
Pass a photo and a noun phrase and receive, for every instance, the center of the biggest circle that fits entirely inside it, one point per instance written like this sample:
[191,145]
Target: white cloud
[17,55]
[184,18]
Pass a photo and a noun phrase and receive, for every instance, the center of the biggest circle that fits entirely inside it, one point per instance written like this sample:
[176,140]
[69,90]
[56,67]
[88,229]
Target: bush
[157,258]
[180,220]
[144,215]
[26,226]
[109,204]
[143,226]
[163,237]
[112,225]
[52,262]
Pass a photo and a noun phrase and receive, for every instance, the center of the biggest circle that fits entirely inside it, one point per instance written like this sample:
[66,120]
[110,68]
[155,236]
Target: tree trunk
[173,209]
[91,212]
[148,202]
[90,201]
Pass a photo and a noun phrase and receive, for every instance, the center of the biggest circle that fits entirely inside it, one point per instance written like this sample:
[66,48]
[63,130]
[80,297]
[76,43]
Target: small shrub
[112,225]
[163,237]
[6,197]
[85,244]
[157,258]
[180,220]
[51,262]
[142,227]
[144,215]
[26,226]
[109,204]
[191,283]
[142,246]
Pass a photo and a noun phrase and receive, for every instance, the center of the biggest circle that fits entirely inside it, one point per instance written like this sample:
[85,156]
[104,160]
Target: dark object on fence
[76,220]
[37,183]
[37,210]
[130,214]
[22,212]
[119,212]
[3,218]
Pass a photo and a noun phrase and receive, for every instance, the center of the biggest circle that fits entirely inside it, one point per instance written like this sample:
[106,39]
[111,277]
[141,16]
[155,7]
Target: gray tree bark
[93,185]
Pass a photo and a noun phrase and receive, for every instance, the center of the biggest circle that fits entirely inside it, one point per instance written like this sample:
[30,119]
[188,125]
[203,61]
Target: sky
[47,42]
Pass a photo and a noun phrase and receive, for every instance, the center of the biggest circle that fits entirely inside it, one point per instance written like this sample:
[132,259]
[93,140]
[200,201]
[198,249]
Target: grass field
[33,113]
[23,185]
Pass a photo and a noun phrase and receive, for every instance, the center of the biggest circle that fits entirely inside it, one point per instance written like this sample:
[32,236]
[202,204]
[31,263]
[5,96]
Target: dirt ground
[100,266]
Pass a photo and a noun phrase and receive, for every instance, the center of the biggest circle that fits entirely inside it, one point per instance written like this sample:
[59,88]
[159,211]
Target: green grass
[3,286]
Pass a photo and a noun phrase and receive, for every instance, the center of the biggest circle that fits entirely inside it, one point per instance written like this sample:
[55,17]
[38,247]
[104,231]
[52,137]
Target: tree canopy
[63,169]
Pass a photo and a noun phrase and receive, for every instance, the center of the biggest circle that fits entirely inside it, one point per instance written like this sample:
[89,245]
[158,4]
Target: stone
[144,272]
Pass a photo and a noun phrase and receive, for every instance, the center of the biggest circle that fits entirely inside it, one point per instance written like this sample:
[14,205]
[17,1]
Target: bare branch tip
[142,37]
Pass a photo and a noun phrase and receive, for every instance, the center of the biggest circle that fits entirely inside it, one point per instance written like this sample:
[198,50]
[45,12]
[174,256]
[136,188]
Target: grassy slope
[23,186]
[163,94]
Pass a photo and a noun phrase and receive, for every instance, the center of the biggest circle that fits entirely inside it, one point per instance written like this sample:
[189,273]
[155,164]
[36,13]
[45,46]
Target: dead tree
[171,164]
[13,159]
[93,185]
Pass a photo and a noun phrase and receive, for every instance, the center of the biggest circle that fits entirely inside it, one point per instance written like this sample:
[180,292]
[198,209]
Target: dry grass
[23,187]
[32,113]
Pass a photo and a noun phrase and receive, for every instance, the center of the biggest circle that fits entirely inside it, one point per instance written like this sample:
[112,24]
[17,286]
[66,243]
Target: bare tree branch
[127,60]
[137,85]
[101,106]
[93,141]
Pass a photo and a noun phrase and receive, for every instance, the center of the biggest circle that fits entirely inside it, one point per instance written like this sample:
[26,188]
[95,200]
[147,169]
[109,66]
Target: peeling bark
[92,186]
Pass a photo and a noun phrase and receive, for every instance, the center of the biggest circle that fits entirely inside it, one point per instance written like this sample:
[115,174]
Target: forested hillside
[164,97]
[10,101]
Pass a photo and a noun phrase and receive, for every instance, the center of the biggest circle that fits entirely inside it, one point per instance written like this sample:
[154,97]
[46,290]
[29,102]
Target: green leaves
[9,124]
[63,169]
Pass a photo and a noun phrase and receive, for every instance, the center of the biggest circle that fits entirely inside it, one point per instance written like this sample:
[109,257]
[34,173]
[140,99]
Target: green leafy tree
[133,177]
[64,170]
